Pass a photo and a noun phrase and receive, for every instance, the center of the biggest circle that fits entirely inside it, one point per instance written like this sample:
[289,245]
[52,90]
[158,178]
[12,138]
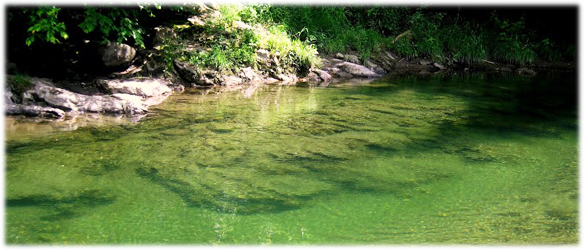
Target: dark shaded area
[502,104]
[79,55]
[91,198]
[558,23]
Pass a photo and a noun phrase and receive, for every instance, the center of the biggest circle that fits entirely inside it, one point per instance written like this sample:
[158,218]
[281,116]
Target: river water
[472,159]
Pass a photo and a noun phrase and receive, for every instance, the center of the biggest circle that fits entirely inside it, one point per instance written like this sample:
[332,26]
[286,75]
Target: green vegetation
[222,45]
[121,21]
[45,25]
[268,36]
[226,50]
[327,27]
[297,33]
[412,32]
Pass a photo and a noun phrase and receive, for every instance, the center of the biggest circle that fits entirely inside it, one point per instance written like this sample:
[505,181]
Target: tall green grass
[328,28]
[432,35]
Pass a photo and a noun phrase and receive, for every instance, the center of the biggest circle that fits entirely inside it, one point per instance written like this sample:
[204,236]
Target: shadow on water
[495,103]
[90,198]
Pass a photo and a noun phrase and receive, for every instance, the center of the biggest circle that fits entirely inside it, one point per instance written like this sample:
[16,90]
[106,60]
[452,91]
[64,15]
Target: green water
[403,160]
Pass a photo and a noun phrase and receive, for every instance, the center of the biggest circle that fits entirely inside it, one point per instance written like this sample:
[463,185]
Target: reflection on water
[442,160]
[25,127]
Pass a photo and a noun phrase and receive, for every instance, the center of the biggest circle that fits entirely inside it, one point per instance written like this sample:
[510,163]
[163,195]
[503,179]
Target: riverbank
[207,50]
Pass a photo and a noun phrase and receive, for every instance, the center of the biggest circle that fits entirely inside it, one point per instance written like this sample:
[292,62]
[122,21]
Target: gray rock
[333,70]
[187,72]
[339,56]
[154,66]
[352,59]
[283,77]
[249,74]
[385,60]
[376,68]
[241,25]
[32,110]
[425,62]
[357,70]
[64,99]
[263,54]
[138,87]
[325,76]
[439,66]
[526,72]
[116,54]
[271,80]
[214,5]
[287,78]
[343,74]
[230,81]
[28,97]
[196,21]
[200,6]
[8,97]
[313,77]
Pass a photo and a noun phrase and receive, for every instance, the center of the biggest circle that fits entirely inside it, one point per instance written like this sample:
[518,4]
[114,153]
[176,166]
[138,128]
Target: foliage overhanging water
[445,160]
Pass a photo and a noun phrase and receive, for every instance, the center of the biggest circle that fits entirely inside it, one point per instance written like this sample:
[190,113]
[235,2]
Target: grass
[433,35]
[293,52]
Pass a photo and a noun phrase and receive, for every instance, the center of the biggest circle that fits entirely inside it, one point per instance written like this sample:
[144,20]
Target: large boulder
[195,76]
[250,75]
[385,60]
[325,76]
[138,87]
[230,81]
[357,70]
[118,55]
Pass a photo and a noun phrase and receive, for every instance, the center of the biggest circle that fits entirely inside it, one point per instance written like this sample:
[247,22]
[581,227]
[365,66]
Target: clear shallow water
[402,160]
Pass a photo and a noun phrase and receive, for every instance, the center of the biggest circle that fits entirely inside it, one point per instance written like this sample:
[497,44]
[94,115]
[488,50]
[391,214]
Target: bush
[511,41]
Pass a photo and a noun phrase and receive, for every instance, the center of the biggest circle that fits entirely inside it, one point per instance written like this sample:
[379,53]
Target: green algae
[399,160]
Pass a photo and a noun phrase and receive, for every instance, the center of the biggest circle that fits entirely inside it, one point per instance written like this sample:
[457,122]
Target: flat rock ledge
[132,96]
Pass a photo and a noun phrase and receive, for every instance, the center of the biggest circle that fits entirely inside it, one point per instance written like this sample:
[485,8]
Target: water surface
[479,159]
